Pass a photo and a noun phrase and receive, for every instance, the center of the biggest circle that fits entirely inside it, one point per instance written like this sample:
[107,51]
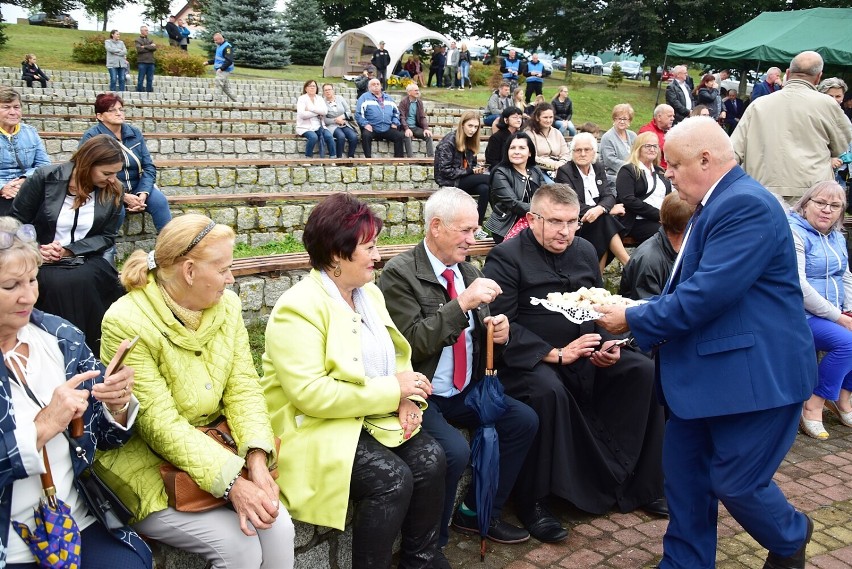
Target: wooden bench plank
[259,199]
[267,264]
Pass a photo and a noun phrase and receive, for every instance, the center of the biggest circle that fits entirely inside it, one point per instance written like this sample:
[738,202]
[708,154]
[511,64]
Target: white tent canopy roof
[352,51]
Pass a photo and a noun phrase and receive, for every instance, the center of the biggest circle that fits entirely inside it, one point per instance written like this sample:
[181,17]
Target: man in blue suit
[735,359]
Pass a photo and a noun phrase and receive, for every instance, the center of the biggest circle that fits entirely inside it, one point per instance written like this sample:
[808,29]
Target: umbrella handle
[77,427]
[489,347]
[47,478]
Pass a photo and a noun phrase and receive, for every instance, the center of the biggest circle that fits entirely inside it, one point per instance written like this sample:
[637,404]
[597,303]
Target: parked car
[477,52]
[665,76]
[53,20]
[560,63]
[588,64]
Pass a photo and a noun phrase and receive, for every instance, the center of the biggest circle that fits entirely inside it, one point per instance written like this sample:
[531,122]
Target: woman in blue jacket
[827,288]
[139,173]
[22,151]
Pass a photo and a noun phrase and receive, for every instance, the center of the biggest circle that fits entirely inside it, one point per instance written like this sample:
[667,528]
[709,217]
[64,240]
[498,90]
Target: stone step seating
[177,146]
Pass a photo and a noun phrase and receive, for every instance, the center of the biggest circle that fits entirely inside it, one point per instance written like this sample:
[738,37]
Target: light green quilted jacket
[183,379]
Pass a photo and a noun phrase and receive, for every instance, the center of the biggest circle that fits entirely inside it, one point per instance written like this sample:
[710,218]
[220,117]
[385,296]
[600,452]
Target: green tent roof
[777,37]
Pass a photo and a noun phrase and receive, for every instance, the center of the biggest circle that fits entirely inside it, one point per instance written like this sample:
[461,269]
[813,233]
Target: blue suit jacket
[731,331]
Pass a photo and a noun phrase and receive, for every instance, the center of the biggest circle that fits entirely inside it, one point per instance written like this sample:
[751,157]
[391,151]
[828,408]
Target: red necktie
[460,347]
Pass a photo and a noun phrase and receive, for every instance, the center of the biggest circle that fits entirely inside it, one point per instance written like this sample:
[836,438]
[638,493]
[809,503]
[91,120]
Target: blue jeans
[312,138]
[117,76]
[464,67]
[146,74]
[343,135]
[564,126]
[489,120]
[157,205]
[835,369]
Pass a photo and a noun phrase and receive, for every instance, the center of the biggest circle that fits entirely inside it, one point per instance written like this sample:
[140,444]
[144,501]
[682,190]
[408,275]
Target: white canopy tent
[354,49]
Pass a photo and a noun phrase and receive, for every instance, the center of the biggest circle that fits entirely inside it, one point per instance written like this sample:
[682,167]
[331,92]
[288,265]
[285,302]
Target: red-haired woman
[335,364]
[138,175]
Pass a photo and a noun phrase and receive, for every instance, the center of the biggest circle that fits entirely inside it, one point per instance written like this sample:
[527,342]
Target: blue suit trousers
[728,458]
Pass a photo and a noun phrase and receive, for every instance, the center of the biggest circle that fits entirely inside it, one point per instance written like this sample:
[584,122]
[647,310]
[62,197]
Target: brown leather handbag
[183,493]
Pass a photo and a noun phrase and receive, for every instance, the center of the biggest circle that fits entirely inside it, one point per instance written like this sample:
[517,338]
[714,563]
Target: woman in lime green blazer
[335,364]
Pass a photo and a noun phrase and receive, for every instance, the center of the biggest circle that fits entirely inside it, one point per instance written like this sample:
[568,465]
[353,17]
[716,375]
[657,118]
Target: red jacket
[661,136]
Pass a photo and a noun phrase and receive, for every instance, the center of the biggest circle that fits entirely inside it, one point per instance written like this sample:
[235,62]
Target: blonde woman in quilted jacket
[193,365]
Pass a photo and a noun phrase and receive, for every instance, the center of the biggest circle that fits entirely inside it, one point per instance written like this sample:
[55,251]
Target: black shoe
[659,507]
[440,561]
[542,525]
[795,561]
[498,531]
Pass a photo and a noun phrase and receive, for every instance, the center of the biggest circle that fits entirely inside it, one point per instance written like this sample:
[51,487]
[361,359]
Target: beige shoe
[845,418]
[813,429]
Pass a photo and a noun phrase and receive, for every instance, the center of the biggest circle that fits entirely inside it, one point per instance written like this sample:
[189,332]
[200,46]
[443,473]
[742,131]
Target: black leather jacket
[510,198]
[449,168]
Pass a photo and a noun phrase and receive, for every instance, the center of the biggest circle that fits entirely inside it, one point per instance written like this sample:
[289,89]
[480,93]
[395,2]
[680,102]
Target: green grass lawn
[593,99]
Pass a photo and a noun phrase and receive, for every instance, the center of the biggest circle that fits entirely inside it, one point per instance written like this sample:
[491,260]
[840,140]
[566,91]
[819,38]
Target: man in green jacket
[445,326]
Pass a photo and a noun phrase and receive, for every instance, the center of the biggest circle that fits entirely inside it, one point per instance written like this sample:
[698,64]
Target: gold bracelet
[121,411]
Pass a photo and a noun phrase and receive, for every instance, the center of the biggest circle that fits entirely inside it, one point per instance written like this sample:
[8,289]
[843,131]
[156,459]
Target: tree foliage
[306,31]
[252,27]
[101,8]
[156,10]
[342,15]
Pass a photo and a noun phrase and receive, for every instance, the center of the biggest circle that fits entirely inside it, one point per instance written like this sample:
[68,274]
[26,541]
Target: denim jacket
[98,430]
[132,178]
[28,147]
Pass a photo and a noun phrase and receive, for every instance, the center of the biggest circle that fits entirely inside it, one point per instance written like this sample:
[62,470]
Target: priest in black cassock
[599,444]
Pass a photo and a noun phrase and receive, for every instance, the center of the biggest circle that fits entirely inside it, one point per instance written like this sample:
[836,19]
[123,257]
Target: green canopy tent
[774,38]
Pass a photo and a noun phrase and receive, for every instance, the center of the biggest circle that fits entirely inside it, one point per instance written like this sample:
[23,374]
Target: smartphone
[622,342]
[120,355]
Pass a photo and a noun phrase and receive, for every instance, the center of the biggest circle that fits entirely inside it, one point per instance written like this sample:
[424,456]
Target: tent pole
[660,80]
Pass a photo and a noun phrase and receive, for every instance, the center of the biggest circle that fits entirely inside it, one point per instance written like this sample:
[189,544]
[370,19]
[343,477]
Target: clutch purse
[183,493]
[386,428]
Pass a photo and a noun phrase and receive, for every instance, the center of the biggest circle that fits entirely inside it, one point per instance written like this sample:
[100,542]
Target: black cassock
[599,443]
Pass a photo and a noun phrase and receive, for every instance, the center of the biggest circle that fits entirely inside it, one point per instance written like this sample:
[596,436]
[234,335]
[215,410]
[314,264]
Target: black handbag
[101,500]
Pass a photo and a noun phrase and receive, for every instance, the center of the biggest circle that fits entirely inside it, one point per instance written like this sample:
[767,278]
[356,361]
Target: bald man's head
[808,66]
[698,153]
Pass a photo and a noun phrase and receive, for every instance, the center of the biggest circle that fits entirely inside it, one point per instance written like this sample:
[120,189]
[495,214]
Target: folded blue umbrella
[487,400]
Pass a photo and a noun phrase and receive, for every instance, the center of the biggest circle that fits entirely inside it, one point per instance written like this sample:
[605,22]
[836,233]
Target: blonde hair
[172,241]
[26,252]
[464,142]
[642,139]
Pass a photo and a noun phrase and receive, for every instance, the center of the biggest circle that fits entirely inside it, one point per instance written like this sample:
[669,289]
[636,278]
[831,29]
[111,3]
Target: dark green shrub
[178,63]
[481,74]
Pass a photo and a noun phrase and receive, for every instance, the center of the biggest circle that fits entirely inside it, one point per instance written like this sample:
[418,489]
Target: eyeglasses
[834,207]
[558,224]
[25,233]
[651,146]
[463,230]
[622,119]
[584,150]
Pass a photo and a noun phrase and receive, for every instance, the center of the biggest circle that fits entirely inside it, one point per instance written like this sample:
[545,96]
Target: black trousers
[394,135]
[477,185]
[400,488]
[436,71]
[533,88]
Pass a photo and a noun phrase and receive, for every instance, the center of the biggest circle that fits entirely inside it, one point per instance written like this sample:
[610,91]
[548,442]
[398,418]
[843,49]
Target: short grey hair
[19,251]
[445,203]
[832,83]
[581,136]
[410,87]
[662,107]
[829,187]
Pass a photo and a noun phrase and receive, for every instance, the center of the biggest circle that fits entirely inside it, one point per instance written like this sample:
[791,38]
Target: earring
[337,271]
